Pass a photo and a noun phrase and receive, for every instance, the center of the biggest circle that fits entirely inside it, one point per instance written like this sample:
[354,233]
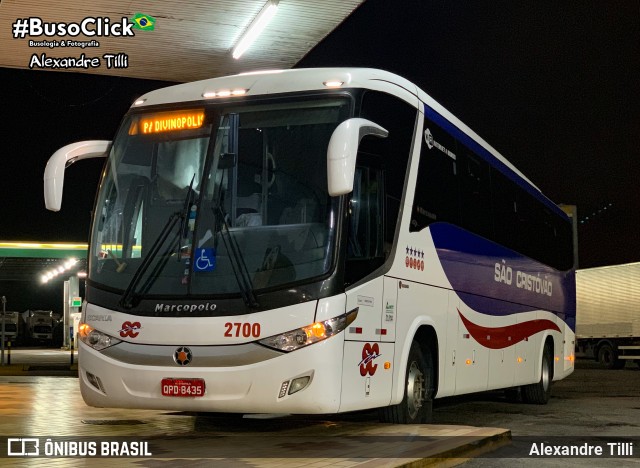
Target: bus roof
[281,81]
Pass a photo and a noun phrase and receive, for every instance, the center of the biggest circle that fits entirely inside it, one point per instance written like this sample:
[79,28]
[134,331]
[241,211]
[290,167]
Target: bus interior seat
[249,209]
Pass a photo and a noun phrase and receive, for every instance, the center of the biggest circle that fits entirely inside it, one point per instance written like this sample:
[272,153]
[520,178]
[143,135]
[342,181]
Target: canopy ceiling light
[58,270]
[255,28]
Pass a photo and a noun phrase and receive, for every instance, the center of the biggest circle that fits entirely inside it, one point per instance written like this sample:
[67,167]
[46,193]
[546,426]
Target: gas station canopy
[28,261]
[177,41]
[181,41]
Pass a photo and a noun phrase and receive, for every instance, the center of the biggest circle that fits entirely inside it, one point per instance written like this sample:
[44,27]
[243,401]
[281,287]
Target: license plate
[183,387]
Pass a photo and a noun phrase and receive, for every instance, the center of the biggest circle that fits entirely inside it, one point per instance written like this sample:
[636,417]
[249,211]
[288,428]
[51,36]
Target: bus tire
[608,357]
[417,404]
[540,392]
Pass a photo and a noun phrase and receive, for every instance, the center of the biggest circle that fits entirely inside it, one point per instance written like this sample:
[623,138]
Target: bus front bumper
[260,387]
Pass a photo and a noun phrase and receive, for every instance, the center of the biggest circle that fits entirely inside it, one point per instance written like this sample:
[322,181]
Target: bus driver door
[369,340]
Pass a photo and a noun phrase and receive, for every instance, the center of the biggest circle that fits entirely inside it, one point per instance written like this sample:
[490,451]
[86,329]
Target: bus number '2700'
[246,330]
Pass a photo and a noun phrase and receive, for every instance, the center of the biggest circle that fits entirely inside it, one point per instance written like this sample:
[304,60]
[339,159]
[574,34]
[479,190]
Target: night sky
[553,86]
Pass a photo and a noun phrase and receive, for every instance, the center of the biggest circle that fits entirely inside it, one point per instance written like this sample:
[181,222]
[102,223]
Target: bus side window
[364,242]
[505,210]
[365,229]
[382,168]
[526,226]
[399,118]
[475,194]
[436,193]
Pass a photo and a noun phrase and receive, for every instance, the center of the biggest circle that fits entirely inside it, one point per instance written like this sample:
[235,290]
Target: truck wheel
[608,357]
[539,393]
[416,405]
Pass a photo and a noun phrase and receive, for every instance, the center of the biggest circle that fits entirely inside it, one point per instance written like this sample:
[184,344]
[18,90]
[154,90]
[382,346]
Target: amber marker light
[317,330]
[387,365]
[84,329]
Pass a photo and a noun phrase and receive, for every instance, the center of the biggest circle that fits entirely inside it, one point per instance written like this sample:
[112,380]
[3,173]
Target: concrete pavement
[36,403]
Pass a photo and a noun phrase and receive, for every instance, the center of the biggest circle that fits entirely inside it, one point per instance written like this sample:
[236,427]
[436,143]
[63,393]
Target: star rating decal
[414,258]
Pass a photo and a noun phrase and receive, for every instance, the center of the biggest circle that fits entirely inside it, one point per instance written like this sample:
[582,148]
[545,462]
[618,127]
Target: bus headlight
[94,338]
[318,331]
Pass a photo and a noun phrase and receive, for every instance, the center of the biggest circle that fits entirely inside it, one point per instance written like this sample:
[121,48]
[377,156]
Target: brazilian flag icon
[142,21]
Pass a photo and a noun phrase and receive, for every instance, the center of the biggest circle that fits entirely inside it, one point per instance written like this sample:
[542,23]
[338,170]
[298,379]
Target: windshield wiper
[126,301]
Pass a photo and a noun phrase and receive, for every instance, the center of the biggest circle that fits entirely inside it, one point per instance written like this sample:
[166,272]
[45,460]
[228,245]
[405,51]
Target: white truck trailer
[608,314]
[11,326]
[39,326]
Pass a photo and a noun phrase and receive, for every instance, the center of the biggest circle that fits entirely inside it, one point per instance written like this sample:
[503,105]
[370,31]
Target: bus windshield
[222,200]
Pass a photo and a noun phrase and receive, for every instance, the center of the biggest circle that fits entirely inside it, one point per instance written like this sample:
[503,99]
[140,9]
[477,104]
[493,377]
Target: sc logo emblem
[369,353]
[130,329]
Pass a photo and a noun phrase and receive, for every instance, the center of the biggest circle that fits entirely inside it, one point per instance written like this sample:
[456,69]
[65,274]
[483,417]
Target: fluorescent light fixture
[255,28]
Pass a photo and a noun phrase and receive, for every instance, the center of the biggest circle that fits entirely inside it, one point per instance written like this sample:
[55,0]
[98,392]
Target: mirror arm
[63,158]
[343,151]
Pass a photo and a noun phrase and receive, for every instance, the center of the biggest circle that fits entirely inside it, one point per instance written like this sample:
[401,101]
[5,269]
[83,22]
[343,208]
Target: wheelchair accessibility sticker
[204,260]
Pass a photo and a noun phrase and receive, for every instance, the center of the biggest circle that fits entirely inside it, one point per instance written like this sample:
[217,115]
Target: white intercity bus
[315,241]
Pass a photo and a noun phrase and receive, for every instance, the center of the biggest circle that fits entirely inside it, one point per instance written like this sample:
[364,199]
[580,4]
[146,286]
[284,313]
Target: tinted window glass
[436,194]
[475,194]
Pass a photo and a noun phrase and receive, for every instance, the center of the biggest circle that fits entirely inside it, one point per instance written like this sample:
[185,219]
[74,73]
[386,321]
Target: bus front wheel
[416,405]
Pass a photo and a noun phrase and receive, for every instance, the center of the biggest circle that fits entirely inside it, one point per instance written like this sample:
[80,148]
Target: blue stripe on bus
[478,149]
[470,263]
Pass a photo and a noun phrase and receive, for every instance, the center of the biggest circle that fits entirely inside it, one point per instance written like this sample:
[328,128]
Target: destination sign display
[170,121]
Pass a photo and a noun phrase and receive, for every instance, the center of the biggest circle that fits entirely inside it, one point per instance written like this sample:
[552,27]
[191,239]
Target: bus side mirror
[343,150]
[63,158]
